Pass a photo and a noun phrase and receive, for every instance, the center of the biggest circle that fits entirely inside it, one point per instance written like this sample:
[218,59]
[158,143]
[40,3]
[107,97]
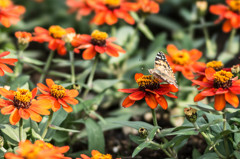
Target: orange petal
[5,53]
[111,18]
[227,27]
[95,152]
[112,51]
[68,109]
[232,99]
[5,103]
[43,103]
[209,72]
[70,100]
[5,68]
[65,105]
[85,156]
[14,117]
[195,54]
[34,116]
[7,110]
[172,49]
[89,53]
[218,9]
[198,97]
[137,95]
[220,102]
[162,101]
[34,92]
[72,93]
[129,90]
[49,82]
[6,93]
[42,87]
[127,102]
[23,114]
[137,76]
[151,101]
[99,18]
[56,106]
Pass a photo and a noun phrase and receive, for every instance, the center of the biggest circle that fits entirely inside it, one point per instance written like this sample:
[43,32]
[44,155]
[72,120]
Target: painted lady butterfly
[162,70]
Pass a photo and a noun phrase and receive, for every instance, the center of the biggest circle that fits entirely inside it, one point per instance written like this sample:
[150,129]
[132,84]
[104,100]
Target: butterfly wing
[162,70]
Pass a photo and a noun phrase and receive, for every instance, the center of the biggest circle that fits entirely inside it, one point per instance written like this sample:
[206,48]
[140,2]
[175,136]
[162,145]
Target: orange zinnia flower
[182,60]
[149,6]
[111,10]
[83,7]
[231,13]
[3,62]
[150,89]
[58,95]
[38,150]
[10,13]
[221,85]
[23,37]
[97,155]
[53,36]
[21,104]
[97,42]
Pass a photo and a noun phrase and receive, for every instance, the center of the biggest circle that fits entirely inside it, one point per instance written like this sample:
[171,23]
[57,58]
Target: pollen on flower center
[22,98]
[102,156]
[235,5]
[216,65]
[148,82]
[57,31]
[99,38]
[113,4]
[222,79]
[5,3]
[181,58]
[57,91]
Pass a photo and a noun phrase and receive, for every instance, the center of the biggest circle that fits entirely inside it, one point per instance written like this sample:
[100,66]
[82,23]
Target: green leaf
[237,154]
[95,136]
[146,31]
[140,148]
[175,140]
[101,85]
[211,155]
[195,154]
[54,127]
[20,81]
[11,134]
[135,124]
[61,136]
[153,132]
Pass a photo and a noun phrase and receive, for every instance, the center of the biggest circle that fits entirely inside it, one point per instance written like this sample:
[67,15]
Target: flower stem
[91,76]
[71,56]
[224,138]
[209,141]
[48,123]
[20,129]
[47,65]
[154,117]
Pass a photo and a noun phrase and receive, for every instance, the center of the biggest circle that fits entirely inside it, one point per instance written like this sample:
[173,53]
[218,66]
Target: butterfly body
[162,70]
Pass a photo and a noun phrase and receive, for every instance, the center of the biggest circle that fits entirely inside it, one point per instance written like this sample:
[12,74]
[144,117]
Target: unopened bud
[143,132]
[1,141]
[77,87]
[202,7]
[235,69]
[190,114]
[68,37]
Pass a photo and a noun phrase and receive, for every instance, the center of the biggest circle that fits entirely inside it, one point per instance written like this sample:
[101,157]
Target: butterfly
[162,70]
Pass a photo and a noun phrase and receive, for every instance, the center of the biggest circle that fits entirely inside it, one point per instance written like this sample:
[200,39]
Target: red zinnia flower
[182,60]
[150,89]
[221,85]
[53,36]
[10,13]
[97,42]
[231,13]
[58,95]
[3,62]
[149,6]
[38,150]
[111,10]
[21,104]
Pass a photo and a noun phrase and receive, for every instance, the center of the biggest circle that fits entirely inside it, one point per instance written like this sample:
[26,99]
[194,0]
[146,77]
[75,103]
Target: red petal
[5,53]
[203,84]
[162,101]
[14,117]
[34,92]
[235,90]
[220,102]
[151,101]
[209,72]
[129,90]
[227,27]
[218,9]
[232,99]
[127,102]
[137,95]
[137,76]
[198,97]
[208,92]
[89,53]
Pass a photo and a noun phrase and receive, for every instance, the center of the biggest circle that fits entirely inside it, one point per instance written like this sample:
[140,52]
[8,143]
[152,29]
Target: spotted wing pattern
[162,70]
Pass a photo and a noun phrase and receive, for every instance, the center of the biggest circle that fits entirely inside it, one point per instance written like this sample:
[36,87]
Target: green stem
[47,65]
[91,76]
[154,117]
[224,138]
[71,56]
[48,123]
[20,129]
[3,149]
[233,32]
[209,141]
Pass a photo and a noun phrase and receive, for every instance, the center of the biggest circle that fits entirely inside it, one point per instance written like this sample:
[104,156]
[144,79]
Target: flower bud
[201,7]
[190,114]
[143,132]
[236,70]
[77,87]
[1,141]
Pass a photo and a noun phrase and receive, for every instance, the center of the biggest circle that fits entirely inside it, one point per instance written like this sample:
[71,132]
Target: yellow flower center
[181,58]
[99,38]
[58,91]
[222,79]
[22,98]
[5,3]
[148,81]
[216,65]
[102,156]
[235,5]
[57,31]
[113,2]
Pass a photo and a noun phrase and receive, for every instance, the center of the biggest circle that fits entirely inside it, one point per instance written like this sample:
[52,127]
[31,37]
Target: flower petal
[162,101]
[34,116]
[72,93]
[209,72]
[127,102]
[42,88]
[56,106]
[129,90]
[7,110]
[151,101]
[49,82]
[89,53]
[14,117]
[171,49]
[70,100]
[137,95]
[220,102]
[198,97]
[232,99]
[208,92]
[23,114]
[227,27]
[7,94]
[203,84]
[137,76]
